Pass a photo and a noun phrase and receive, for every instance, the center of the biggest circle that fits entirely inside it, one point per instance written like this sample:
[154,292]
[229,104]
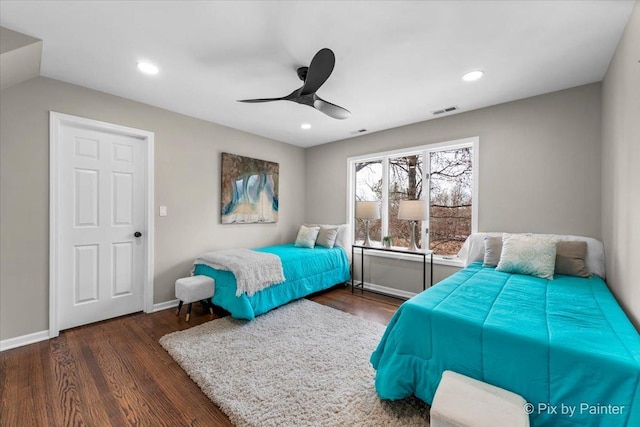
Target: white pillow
[343,239]
[327,236]
[307,237]
[473,250]
[531,255]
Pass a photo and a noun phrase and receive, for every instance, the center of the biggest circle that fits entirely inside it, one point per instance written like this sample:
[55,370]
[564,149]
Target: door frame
[56,122]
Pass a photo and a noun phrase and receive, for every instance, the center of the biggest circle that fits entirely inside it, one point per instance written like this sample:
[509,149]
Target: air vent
[355,132]
[445,110]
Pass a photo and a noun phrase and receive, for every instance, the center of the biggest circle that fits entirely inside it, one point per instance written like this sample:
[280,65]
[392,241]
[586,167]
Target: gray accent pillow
[327,236]
[492,250]
[570,258]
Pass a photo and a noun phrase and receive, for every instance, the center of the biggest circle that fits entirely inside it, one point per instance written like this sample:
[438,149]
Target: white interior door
[101,224]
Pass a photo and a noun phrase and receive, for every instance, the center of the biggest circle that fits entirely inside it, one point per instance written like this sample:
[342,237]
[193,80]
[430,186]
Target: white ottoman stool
[193,289]
[461,401]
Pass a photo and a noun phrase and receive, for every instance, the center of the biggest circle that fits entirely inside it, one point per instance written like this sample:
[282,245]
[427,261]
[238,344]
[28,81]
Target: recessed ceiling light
[472,75]
[147,68]
[305,126]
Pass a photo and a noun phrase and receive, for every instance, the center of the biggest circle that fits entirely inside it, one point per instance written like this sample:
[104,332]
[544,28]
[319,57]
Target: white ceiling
[396,61]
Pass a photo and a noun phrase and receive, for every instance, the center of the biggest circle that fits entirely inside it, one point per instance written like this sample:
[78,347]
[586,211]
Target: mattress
[565,345]
[306,270]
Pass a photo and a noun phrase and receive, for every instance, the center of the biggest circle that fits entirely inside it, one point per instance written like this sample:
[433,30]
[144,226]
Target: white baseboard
[10,343]
[165,305]
[386,290]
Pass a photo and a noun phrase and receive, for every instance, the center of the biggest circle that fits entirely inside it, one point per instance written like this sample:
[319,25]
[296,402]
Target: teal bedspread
[306,271]
[565,345]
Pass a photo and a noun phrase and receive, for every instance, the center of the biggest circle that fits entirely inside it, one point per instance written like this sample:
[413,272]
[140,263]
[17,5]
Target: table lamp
[414,211]
[367,211]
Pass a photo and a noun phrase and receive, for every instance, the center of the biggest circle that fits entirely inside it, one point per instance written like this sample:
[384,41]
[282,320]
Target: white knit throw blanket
[254,270]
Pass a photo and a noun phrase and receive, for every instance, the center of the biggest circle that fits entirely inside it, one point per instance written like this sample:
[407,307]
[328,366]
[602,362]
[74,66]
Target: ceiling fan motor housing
[302,73]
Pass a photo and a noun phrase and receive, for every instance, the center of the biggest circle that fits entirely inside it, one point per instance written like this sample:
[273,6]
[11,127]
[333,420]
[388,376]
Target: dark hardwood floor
[114,373]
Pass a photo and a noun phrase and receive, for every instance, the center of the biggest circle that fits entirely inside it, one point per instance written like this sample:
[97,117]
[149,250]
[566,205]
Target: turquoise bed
[560,342]
[306,271]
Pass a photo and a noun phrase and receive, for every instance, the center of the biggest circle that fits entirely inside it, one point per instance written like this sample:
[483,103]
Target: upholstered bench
[461,401]
[193,289]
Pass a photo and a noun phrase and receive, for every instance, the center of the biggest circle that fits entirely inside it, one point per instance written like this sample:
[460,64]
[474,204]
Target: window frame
[424,150]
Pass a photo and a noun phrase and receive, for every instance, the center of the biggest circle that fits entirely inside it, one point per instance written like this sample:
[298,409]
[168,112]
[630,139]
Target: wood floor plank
[50,392]
[21,393]
[66,383]
[115,373]
[16,386]
[8,370]
[38,406]
[3,387]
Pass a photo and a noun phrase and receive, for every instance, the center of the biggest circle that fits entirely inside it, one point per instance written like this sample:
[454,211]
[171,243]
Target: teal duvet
[565,345]
[306,271]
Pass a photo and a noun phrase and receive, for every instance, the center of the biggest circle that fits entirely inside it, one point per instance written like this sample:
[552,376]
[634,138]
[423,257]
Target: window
[405,183]
[368,181]
[445,174]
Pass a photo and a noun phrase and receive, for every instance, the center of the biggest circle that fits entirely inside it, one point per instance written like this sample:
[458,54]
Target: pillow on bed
[473,250]
[343,239]
[570,259]
[534,256]
[307,237]
[327,236]
[492,250]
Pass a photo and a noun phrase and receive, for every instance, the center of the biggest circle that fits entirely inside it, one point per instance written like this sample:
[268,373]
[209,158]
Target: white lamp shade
[413,210]
[368,210]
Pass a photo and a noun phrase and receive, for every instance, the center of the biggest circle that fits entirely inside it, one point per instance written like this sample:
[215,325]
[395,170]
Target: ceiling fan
[313,77]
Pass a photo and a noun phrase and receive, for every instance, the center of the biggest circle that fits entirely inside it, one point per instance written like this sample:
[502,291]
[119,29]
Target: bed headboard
[473,250]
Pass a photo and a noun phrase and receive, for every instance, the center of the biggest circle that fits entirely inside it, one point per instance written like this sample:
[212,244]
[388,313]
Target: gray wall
[187,180]
[621,169]
[539,166]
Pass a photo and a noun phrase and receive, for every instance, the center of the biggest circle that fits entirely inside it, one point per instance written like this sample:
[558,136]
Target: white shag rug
[303,364]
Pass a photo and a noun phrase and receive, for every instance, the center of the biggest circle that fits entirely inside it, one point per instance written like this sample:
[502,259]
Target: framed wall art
[249,190]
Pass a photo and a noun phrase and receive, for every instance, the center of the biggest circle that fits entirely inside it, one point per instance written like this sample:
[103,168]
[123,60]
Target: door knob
[137,234]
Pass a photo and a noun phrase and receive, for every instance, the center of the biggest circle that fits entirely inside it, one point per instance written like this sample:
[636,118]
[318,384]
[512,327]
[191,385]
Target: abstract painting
[249,190]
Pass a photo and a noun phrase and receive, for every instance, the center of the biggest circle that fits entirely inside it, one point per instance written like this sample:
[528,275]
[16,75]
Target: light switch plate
[163,211]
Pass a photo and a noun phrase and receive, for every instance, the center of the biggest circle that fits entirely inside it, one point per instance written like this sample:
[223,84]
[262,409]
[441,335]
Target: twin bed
[565,345]
[306,270]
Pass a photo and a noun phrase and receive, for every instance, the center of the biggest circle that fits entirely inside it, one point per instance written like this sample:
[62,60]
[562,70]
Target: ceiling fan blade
[261,100]
[319,71]
[290,97]
[331,110]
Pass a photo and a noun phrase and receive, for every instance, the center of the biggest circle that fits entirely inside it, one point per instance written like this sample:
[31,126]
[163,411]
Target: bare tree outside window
[405,183]
[450,200]
[368,189]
